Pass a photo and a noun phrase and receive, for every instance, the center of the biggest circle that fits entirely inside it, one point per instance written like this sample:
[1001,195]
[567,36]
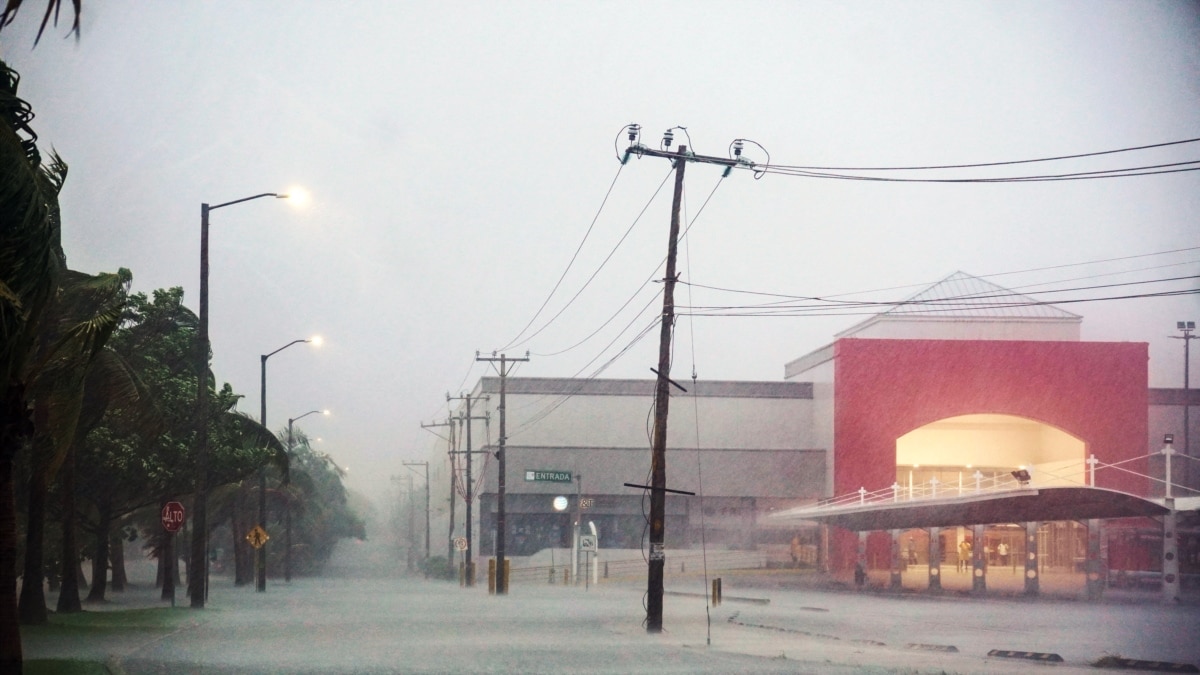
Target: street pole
[412,539]
[260,554]
[287,511]
[198,560]
[453,479]
[662,397]
[501,525]
[287,502]
[577,530]
[426,465]
[658,442]
[470,489]
[1186,327]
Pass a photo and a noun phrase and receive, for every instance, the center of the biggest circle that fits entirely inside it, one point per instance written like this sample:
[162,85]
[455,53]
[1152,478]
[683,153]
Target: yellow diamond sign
[257,537]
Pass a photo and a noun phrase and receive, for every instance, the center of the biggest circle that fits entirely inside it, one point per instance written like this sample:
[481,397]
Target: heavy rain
[602,337]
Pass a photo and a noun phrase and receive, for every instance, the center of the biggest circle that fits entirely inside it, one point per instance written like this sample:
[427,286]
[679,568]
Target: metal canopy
[1015,506]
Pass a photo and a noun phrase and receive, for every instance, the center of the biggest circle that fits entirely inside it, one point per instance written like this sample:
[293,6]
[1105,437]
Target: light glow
[298,196]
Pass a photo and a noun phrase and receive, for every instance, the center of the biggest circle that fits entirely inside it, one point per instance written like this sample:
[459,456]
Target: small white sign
[587,543]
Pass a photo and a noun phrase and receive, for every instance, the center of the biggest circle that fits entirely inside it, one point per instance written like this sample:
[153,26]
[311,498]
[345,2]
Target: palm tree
[110,383]
[53,8]
[80,318]
[31,262]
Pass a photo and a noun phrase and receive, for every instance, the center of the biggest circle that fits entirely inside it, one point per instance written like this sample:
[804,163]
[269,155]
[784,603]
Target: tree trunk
[100,558]
[10,632]
[243,560]
[68,595]
[161,556]
[32,606]
[116,554]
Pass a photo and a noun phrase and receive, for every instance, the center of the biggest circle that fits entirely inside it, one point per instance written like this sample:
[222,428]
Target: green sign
[543,476]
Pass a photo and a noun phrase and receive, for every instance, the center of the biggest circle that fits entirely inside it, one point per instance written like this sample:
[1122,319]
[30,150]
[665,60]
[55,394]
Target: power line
[571,262]
[985,164]
[598,269]
[967,300]
[981,276]
[820,311]
[643,285]
[1149,170]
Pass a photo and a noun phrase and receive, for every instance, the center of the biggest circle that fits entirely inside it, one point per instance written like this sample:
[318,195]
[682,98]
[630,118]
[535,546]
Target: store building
[958,388]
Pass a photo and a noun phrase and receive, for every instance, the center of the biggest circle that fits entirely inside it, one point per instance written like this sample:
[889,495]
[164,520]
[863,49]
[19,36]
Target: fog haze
[456,154]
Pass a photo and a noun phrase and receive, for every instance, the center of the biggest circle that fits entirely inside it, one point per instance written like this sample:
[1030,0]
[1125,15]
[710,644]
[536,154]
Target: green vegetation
[98,419]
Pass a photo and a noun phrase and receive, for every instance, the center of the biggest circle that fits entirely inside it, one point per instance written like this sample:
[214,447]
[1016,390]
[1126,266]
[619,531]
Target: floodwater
[360,621]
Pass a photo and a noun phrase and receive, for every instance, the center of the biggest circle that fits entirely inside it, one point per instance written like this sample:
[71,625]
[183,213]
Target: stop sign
[172,516]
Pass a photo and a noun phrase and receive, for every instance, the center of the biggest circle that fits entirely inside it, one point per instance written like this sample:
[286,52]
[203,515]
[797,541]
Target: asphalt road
[374,624]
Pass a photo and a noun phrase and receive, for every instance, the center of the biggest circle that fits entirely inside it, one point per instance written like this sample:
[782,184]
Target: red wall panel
[883,389]
[1095,391]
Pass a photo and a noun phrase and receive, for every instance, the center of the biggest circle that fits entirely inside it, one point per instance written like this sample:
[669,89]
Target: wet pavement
[768,622]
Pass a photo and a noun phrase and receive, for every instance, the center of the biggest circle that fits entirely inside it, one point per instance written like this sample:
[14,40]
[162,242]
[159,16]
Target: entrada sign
[544,476]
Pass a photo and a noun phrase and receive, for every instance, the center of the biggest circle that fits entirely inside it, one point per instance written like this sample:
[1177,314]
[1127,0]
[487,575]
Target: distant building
[964,383]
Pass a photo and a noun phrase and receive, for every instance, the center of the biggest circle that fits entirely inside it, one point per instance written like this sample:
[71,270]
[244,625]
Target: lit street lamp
[261,553]
[287,480]
[198,561]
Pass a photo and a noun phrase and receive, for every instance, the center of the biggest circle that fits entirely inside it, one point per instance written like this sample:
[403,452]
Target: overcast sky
[457,152]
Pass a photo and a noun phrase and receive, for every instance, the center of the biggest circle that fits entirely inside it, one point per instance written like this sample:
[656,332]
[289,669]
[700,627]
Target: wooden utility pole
[662,397]
[470,484]
[658,441]
[450,455]
[426,465]
[501,579]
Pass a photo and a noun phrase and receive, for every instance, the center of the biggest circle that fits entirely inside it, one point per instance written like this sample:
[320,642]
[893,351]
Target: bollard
[682,566]
[491,576]
[462,574]
[507,574]
[605,569]
[566,575]
[551,576]
[716,592]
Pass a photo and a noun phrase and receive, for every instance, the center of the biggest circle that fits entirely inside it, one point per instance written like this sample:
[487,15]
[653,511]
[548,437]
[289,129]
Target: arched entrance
[962,453]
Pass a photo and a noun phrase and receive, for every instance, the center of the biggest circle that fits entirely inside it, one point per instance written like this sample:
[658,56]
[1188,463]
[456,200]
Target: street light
[260,553]
[287,502]
[198,562]
[1186,327]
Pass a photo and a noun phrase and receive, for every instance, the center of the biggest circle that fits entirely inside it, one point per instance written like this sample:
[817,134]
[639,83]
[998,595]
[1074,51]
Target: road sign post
[173,517]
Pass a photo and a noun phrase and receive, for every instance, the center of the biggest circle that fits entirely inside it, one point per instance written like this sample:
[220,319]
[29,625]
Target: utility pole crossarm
[688,157]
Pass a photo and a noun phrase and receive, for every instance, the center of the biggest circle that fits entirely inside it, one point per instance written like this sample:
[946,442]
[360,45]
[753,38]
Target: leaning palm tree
[53,9]
[31,262]
[80,319]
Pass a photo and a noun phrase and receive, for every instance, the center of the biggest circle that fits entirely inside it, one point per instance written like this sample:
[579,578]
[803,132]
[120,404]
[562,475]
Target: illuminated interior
[969,449]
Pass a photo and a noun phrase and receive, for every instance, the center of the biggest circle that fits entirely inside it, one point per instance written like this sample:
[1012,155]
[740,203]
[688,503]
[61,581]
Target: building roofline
[631,387]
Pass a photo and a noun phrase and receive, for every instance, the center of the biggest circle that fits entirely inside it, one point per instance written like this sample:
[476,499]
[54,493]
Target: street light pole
[1186,327]
[426,465]
[260,553]
[287,513]
[198,561]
